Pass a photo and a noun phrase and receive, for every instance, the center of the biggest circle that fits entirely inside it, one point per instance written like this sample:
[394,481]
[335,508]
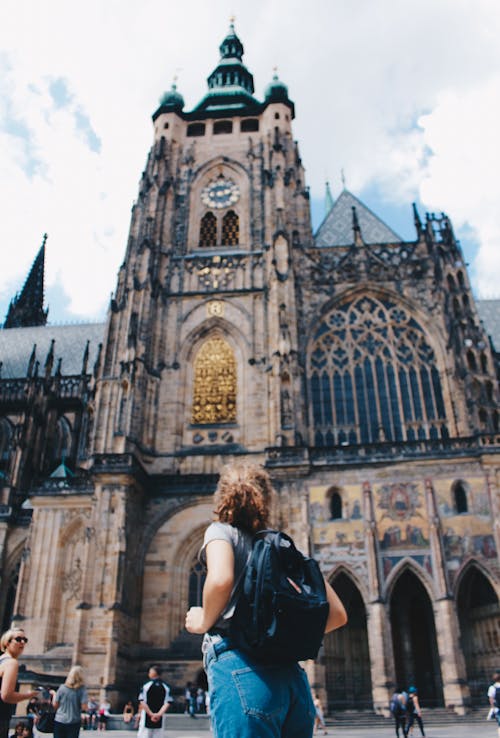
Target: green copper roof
[172,99]
[276,91]
[231,84]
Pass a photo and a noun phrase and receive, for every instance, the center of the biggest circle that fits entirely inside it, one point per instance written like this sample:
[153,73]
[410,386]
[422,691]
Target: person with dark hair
[12,645]
[414,712]
[154,701]
[248,698]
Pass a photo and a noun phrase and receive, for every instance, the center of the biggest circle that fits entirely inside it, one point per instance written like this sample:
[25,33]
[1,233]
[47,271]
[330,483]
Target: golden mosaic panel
[214,396]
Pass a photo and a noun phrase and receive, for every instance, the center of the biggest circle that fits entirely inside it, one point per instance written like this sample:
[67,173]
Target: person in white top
[494,697]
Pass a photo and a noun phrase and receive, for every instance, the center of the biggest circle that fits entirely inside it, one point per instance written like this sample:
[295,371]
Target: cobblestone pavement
[461,729]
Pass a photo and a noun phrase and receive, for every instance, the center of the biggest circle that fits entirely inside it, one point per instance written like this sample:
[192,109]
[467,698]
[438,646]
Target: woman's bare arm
[337,615]
[9,679]
[217,588]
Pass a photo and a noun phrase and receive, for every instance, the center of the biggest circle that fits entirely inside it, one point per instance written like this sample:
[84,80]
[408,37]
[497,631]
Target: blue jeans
[253,700]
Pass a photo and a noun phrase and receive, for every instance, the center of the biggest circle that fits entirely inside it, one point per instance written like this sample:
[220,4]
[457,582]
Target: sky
[401,96]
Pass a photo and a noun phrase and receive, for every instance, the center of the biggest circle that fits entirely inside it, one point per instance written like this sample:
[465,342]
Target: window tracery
[208,230]
[373,377]
[230,229]
[214,395]
[61,447]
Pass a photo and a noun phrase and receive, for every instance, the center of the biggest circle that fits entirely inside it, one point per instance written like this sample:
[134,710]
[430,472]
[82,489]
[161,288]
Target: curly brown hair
[243,496]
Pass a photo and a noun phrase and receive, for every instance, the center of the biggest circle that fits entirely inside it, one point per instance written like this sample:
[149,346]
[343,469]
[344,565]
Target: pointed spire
[85,358]
[416,220]
[26,308]
[49,361]
[355,221]
[230,85]
[328,199]
[356,228]
[31,362]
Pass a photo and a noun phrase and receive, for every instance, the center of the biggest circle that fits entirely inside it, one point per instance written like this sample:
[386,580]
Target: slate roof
[336,228]
[16,345]
[489,312]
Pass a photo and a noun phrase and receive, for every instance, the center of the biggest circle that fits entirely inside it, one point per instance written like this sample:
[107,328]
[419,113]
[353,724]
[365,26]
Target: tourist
[12,645]
[247,699]
[69,702]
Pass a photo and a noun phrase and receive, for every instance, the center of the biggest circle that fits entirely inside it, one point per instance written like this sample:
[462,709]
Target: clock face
[220,193]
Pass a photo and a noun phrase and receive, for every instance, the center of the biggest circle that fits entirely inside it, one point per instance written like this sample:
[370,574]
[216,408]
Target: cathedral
[357,367]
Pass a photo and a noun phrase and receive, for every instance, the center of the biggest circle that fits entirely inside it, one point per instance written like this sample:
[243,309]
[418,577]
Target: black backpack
[281,609]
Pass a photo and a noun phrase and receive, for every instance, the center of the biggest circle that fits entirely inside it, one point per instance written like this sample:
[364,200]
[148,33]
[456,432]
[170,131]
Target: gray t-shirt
[241,541]
[70,704]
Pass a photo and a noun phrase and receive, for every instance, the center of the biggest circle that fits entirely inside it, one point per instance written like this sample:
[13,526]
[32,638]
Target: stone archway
[479,616]
[347,657]
[416,656]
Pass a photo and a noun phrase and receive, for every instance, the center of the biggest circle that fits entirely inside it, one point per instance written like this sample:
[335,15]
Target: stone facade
[359,373]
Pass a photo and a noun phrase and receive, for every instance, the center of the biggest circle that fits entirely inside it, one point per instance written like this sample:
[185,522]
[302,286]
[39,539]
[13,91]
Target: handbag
[45,722]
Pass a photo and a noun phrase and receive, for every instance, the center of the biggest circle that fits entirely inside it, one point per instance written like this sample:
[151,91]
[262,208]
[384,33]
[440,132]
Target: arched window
[6,434]
[208,230]
[471,361]
[372,374]
[214,396]
[61,447]
[335,506]
[230,229]
[460,497]
[196,581]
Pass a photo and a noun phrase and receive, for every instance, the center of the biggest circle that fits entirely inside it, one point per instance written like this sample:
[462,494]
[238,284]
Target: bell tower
[201,347]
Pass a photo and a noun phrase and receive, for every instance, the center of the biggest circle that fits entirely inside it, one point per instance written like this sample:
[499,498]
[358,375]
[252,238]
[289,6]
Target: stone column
[379,636]
[455,690]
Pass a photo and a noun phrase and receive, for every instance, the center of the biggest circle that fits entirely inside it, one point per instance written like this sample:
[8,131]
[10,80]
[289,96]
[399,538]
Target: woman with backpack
[249,698]
[398,711]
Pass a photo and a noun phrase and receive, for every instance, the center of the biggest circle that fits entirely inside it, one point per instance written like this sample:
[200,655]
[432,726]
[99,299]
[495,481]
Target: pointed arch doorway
[347,656]
[479,617]
[416,656]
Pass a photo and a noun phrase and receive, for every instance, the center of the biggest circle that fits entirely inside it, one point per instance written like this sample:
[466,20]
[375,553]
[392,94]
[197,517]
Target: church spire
[230,86]
[26,308]
[328,199]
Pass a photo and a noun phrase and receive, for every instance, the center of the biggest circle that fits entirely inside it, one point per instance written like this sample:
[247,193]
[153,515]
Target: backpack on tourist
[497,697]
[396,705]
[282,608]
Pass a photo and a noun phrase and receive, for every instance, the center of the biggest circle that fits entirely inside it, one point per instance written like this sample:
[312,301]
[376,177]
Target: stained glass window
[230,229]
[214,396]
[208,230]
[373,376]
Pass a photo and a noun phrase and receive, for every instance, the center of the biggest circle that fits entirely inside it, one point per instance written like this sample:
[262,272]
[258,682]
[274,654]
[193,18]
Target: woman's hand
[195,620]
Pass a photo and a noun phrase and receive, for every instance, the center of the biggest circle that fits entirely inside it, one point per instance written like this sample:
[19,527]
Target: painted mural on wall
[402,526]
[467,533]
[339,539]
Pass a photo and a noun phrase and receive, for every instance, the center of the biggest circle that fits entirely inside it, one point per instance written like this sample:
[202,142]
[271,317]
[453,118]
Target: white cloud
[402,93]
